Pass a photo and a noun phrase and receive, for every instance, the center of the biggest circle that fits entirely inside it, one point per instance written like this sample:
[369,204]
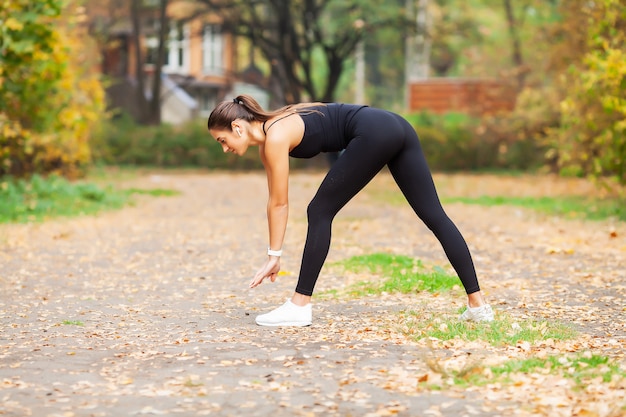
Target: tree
[591,136]
[50,99]
[453,29]
[516,50]
[149,108]
[302,38]
[106,17]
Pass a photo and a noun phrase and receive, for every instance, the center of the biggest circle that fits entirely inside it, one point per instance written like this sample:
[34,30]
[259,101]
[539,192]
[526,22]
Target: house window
[207,100]
[177,54]
[176,50]
[152,49]
[212,50]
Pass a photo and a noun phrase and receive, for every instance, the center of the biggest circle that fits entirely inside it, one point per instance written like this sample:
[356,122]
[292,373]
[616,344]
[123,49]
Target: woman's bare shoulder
[287,128]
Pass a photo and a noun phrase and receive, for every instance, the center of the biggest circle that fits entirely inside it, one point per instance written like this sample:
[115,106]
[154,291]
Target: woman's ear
[236,128]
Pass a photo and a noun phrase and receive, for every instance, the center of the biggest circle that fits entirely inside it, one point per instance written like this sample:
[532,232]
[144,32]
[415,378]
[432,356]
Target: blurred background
[530,85]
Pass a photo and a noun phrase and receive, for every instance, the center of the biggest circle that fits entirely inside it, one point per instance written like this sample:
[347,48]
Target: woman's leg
[410,171]
[364,157]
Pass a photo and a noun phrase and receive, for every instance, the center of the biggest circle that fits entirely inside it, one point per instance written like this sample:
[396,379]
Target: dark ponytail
[241,107]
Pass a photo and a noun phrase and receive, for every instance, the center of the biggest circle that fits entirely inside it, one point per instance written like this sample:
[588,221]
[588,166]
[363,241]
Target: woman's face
[231,140]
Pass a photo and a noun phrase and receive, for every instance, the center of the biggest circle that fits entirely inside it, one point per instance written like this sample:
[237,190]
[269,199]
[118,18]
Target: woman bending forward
[370,138]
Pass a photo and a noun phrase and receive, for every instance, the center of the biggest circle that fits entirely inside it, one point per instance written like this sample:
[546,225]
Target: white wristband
[271,252]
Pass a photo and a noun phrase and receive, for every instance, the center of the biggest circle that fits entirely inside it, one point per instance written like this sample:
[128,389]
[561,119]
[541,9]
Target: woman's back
[327,128]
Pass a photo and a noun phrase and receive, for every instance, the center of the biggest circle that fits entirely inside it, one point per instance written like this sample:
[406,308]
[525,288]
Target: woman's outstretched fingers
[258,278]
[269,270]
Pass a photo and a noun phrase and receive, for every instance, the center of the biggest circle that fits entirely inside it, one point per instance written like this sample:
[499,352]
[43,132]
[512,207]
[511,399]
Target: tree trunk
[149,111]
[422,41]
[155,102]
[335,69]
[516,56]
[141,101]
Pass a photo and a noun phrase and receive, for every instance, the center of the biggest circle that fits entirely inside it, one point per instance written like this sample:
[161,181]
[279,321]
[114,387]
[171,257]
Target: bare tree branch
[288,32]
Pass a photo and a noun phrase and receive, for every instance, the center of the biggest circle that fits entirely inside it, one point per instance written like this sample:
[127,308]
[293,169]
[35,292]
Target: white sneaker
[288,314]
[482,313]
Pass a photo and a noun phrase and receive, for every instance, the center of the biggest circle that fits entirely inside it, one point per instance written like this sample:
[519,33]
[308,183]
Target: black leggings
[382,138]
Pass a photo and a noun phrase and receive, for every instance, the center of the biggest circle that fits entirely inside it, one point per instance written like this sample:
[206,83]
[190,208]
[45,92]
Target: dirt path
[146,311]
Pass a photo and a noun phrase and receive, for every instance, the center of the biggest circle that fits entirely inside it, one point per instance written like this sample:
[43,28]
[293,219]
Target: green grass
[581,368]
[72,323]
[403,274]
[40,198]
[573,207]
[504,330]
[569,207]
[154,192]
[394,273]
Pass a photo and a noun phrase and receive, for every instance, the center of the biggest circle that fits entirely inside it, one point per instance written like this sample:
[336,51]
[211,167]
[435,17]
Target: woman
[370,139]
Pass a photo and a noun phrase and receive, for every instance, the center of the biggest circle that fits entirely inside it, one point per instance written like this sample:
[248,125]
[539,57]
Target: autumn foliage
[591,137]
[51,96]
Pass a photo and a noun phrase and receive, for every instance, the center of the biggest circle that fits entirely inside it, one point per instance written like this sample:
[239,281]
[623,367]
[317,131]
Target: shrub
[51,98]
[39,198]
[591,136]
[122,142]
[455,141]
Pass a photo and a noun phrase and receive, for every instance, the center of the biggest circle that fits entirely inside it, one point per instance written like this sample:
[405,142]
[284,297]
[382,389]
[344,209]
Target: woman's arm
[275,157]
[276,161]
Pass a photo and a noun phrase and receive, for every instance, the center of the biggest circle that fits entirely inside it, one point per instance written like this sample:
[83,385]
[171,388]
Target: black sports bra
[327,129]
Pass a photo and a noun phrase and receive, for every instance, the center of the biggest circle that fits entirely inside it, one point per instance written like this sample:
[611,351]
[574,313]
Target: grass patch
[569,207]
[572,207]
[502,331]
[399,273]
[582,368]
[72,323]
[154,192]
[41,198]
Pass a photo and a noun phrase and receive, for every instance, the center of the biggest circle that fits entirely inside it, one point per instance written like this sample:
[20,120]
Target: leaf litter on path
[159,320]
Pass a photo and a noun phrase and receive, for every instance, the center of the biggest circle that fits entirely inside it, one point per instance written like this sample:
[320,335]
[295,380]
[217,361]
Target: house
[201,66]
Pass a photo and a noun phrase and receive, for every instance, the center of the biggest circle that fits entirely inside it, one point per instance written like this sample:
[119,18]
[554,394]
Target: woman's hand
[269,270]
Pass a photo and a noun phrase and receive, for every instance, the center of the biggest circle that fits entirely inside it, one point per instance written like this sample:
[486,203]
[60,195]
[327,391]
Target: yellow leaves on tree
[591,138]
[50,94]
